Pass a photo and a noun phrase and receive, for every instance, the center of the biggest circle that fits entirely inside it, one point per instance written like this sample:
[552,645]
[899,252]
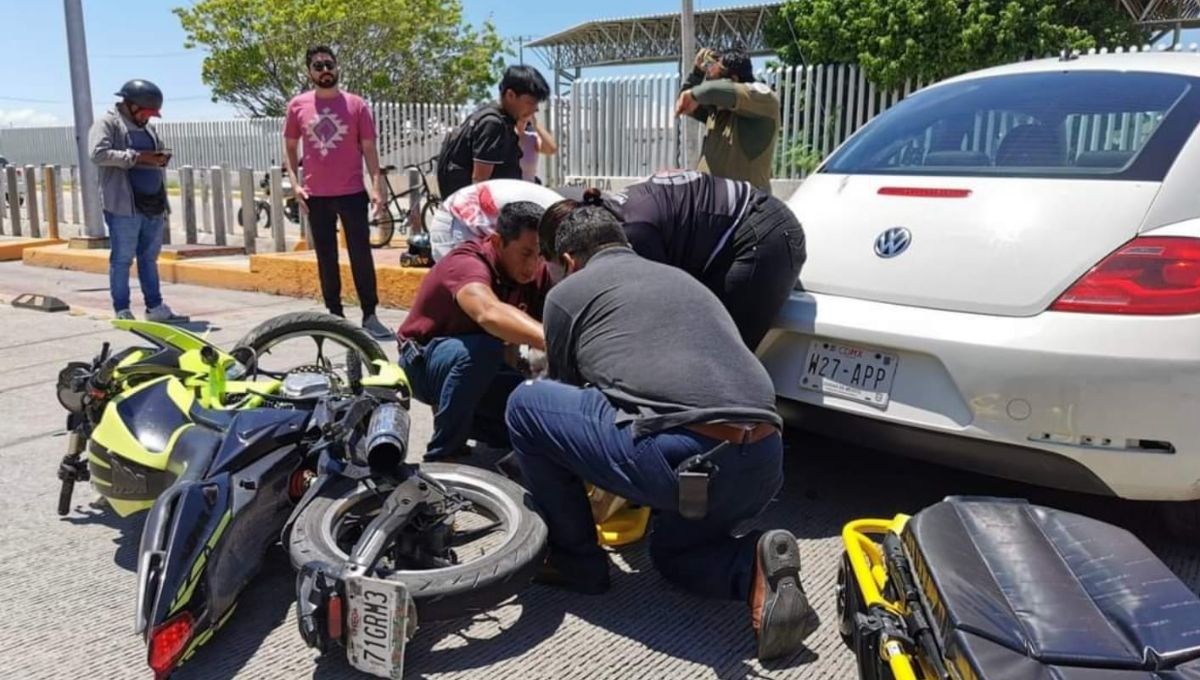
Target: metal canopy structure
[1164,13]
[653,38]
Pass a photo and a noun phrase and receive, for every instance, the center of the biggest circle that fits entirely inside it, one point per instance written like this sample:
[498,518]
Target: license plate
[849,371]
[377,622]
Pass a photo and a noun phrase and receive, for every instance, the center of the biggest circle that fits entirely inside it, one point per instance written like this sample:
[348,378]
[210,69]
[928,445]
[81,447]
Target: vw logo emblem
[893,242]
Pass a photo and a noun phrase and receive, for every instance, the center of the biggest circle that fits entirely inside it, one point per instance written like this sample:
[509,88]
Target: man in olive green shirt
[741,117]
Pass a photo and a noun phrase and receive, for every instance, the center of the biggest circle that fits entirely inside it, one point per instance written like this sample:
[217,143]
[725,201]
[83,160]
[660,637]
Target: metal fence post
[249,212]
[187,190]
[3,198]
[50,184]
[205,203]
[278,233]
[75,194]
[31,201]
[14,198]
[218,204]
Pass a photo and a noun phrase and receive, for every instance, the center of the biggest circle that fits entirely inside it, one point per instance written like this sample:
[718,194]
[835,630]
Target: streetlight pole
[81,95]
[687,126]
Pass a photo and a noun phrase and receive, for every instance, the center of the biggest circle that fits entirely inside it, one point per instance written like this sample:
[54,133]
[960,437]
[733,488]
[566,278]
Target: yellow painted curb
[15,249]
[292,274]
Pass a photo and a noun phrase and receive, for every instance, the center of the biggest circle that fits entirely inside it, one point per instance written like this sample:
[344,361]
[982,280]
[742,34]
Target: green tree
[929,40]
[388,50]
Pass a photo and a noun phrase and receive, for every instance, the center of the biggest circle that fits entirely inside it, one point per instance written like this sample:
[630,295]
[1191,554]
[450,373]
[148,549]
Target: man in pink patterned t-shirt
[338,133]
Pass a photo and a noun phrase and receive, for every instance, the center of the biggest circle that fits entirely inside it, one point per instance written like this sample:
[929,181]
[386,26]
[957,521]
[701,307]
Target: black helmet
[418,245]
[143,93]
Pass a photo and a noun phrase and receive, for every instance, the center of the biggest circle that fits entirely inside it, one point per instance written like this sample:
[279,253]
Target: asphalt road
[68,584]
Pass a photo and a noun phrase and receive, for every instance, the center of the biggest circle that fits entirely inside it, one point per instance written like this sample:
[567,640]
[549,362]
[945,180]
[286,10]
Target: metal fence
[408,133]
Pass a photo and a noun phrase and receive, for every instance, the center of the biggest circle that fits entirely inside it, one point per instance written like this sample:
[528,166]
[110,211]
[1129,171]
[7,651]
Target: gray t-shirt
[658,343]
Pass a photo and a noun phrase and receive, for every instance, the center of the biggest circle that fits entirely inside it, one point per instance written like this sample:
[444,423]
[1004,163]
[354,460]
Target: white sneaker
[125,315]
[163,314]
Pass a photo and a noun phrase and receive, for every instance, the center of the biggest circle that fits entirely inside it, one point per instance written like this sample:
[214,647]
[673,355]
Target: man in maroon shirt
[480,300]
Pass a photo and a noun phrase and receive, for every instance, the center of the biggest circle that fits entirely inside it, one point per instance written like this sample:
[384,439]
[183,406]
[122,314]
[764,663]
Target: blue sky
[142,38]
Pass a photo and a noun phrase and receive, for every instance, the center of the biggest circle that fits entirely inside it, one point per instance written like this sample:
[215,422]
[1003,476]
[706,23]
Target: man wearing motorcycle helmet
[133,192]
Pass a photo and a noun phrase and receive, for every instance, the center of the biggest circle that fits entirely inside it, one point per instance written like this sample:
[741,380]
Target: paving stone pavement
[69,583]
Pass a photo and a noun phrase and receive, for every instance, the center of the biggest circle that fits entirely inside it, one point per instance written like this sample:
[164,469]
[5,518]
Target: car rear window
[1077,124]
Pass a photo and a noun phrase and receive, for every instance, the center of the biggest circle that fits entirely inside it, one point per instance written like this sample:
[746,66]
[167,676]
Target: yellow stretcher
[862,583]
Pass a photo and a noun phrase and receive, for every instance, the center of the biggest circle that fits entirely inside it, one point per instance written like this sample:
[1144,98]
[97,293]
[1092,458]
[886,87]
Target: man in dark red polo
[474,308]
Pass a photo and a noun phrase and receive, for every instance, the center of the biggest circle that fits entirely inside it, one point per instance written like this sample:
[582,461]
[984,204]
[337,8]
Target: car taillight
[1154,275]
[167,643]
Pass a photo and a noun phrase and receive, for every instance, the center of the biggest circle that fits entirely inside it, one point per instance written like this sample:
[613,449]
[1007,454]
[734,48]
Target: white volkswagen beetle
[1004,275]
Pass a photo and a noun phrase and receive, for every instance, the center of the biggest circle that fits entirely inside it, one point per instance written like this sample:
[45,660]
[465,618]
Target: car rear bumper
[1115,396]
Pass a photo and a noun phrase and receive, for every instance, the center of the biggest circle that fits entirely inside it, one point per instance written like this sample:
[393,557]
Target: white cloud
[27,118]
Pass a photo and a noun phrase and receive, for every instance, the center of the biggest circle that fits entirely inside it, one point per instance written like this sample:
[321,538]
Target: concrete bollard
[31,201]
[205,203]
[218,205]
[14,198]
[249,212]
[76,195]
[187,189]
[227,184]
[414,203]
[50,184]
[59,205]
[278,231]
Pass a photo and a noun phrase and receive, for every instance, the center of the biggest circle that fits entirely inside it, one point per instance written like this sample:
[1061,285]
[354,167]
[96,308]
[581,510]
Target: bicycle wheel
[383,226]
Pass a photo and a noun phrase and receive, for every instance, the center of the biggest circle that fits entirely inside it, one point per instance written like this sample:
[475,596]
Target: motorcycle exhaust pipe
[386,440]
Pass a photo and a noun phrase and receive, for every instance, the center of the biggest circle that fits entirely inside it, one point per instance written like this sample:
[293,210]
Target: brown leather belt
[734,433]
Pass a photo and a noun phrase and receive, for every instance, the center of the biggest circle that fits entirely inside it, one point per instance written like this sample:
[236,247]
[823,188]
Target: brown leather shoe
[779,609]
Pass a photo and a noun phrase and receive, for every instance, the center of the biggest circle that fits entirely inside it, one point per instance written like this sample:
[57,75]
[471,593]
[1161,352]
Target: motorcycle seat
[1022,591]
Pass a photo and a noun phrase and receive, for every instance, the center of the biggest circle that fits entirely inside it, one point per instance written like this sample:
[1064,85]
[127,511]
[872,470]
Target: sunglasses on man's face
[323,66]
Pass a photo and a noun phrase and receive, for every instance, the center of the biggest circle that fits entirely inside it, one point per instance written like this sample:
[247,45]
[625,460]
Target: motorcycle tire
[297,324]
[451,592]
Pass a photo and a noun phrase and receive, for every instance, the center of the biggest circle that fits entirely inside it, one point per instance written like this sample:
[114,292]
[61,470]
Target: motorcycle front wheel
[500,541]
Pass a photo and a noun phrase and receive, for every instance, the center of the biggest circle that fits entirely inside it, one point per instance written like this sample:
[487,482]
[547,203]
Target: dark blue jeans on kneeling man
[563,435]
[465,380]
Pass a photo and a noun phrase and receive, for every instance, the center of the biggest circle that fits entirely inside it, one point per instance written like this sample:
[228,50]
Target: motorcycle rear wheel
[445,593]
[320,328]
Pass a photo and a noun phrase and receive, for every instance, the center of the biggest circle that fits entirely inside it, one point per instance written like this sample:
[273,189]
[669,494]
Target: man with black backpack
[486,145]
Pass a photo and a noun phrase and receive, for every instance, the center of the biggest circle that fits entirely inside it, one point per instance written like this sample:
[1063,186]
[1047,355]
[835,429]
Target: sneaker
[163,314]
[125,315]
[376,329]
[779,610]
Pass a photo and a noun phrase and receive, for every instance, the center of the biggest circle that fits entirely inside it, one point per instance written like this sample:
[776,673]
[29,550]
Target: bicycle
[383,227]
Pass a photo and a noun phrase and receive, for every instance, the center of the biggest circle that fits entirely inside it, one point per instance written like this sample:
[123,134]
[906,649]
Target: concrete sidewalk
[293,274]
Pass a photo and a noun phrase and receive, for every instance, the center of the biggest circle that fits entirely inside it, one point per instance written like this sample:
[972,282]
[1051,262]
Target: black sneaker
[779,610]
[375,328]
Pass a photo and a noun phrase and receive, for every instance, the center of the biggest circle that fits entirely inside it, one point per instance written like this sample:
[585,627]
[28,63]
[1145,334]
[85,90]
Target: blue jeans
[134,237]
[564,435]
[465,380]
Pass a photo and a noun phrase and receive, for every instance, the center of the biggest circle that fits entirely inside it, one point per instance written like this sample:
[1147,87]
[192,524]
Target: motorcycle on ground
[228,455]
